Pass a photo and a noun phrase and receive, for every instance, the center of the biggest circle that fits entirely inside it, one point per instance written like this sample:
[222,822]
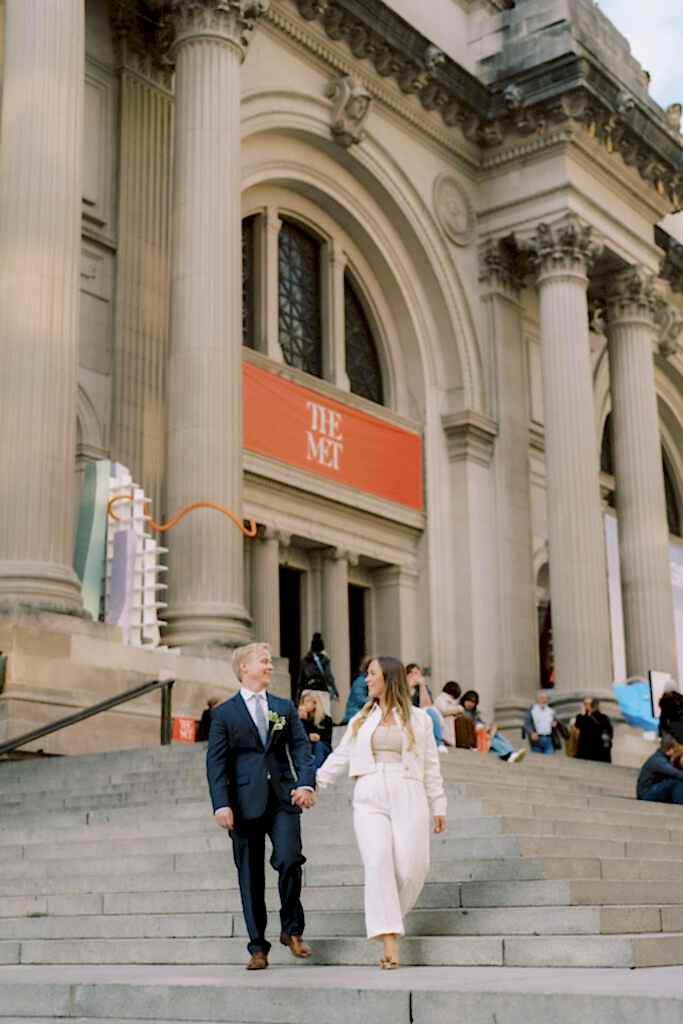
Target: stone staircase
[112,871]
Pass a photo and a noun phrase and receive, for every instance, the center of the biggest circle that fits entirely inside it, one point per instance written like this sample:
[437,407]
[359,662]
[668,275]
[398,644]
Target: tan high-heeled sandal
[387,963]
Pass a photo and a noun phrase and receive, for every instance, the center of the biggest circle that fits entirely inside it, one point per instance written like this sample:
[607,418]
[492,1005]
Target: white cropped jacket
[354,755]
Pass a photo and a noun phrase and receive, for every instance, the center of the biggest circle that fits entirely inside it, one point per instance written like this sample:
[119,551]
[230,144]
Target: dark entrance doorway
[357,637]
[290,621]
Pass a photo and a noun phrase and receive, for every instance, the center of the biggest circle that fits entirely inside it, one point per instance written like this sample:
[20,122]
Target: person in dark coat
[595,733]
[204,726]
[315,673]
[358,696]
[671,714]
[659,780]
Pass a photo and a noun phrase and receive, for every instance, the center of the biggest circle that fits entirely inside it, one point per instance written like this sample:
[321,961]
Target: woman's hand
[314,737]
[439,823]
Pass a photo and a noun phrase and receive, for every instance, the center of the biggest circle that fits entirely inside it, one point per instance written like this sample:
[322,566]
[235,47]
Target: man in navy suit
[255,795]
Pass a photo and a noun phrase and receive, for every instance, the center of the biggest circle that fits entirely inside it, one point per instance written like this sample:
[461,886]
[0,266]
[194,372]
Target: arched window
[299,299]
[362,364]
[673,512]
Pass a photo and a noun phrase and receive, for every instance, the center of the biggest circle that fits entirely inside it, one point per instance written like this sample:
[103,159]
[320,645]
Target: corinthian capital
[230,20]
[567,244]
[501,265]
[670,322]
[631,294]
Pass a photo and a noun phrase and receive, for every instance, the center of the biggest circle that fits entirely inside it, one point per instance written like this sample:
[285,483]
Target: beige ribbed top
[387,743]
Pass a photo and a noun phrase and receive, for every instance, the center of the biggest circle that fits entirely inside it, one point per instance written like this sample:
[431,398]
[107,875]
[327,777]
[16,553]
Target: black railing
[165,686]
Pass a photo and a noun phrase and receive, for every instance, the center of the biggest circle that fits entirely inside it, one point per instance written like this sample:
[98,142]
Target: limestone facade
[446,231]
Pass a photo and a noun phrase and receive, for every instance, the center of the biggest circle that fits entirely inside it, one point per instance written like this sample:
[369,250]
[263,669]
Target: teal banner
[91,536]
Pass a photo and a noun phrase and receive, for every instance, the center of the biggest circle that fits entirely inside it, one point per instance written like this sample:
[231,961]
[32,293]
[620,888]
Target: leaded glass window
[673,512]
[362,364]
[248,282]
[299,299]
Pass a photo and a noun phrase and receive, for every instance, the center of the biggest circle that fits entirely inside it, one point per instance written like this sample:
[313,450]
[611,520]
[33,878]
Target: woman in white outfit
[389,749]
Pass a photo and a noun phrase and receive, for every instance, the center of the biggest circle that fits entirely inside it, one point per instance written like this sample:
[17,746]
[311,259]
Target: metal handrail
[165,686]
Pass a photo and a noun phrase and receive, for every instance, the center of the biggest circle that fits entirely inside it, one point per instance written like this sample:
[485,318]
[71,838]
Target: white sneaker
[442,749]
[518,755]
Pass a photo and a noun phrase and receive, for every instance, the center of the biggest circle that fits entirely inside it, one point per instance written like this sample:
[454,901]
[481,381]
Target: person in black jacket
[315,673]
[659,780]
[317,725]
[671,714]
[595,733]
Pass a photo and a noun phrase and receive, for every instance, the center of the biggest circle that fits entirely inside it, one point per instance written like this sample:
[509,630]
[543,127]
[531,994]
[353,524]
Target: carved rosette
[454,210]
[230,20]
[566,245]
[632,296]
[352,103]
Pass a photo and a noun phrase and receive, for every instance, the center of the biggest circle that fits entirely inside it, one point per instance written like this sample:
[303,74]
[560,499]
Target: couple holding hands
[388,748]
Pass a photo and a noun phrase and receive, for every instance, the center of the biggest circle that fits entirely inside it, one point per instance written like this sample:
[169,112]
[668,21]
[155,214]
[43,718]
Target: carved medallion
[453,209]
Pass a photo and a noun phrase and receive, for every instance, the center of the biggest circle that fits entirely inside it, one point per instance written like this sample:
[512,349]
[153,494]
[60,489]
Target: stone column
[40,242]
[205,368]
[395,590]
[578,572]
[269,225]
[632,331]
[334,316]
[501,287]
[265,589]
[471,437]
[335,625]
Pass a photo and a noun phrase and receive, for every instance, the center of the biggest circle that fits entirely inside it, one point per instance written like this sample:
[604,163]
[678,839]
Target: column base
[44,586]
[206,628]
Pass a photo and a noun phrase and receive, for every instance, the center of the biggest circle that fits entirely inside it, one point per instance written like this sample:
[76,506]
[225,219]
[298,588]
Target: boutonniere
[278,721]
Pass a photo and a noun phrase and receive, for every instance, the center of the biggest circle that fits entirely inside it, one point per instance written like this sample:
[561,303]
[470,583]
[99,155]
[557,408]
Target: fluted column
[335,600]
[578,573]
[650,636]
[40,232]
[265,589]
[205,369]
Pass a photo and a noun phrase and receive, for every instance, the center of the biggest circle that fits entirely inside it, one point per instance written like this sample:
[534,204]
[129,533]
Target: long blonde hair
[319,715]
[396,697]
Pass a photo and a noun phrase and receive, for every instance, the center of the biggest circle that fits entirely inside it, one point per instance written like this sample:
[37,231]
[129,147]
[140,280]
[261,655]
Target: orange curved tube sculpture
[248,531]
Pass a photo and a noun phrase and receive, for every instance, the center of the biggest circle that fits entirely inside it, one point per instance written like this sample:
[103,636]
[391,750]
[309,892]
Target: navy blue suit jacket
[242,772]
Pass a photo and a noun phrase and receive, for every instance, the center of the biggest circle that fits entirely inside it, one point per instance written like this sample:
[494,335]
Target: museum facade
[402,287]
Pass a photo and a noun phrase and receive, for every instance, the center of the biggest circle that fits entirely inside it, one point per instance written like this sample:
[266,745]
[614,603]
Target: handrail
[165,685]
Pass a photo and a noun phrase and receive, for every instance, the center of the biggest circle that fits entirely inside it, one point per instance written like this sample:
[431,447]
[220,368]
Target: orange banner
[304,429]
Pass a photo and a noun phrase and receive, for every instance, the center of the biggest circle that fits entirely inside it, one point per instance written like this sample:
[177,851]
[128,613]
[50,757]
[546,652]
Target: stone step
[229,995]
[507,868]
[566,892]
[191,823]
[552,921]
[644,950]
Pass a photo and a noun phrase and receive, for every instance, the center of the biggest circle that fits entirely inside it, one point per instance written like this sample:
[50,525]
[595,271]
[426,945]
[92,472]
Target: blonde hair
[396,697]
[241,654]
[319,715]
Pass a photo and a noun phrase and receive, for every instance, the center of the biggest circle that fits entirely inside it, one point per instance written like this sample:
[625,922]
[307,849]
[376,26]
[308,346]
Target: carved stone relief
[352,104]
[453,209]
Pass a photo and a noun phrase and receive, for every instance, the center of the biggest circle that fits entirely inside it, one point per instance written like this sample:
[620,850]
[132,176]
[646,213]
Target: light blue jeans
[501,747]
[436,725]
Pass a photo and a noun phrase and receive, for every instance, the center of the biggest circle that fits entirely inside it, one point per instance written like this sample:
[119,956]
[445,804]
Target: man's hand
[304,798]
[439,823]
[226,819]
[534,737]
[314,737]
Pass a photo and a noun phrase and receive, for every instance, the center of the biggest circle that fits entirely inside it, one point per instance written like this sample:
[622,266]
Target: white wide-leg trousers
[391,820]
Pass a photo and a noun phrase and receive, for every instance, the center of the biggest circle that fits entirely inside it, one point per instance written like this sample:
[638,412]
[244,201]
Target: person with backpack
[315,673]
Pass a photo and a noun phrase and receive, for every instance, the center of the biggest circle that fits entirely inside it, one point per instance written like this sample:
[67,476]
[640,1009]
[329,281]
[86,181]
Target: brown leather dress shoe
[258,962]
[297,947]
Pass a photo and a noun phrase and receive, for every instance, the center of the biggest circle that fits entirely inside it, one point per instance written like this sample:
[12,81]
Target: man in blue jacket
[659,780]
[255,794]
